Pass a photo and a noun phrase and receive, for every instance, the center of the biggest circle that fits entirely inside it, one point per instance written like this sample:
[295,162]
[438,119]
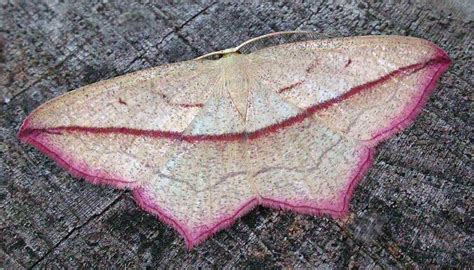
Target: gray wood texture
[413,209]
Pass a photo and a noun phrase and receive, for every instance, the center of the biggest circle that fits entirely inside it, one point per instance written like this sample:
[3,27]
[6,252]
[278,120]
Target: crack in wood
[77,228]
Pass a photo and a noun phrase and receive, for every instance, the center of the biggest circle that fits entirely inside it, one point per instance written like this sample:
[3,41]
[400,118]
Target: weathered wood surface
[414,208]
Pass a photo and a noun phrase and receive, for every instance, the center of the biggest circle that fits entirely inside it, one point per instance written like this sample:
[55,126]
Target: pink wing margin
[365,162]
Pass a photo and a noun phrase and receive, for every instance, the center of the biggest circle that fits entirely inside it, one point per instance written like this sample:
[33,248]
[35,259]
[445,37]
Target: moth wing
[126,132]
[364,87]
[353,92]
[161,98]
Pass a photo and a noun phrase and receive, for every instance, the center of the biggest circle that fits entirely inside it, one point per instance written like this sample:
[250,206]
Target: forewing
[162,98]
[115,129]
[359,86]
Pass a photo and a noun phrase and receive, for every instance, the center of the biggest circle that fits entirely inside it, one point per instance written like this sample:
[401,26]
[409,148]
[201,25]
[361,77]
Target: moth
[285,120]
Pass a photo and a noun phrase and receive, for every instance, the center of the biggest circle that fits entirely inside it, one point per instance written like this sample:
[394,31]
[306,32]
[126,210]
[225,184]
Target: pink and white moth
[202,142]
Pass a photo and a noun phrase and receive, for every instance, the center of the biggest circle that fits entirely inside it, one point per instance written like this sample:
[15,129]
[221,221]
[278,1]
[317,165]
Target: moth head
[219,54]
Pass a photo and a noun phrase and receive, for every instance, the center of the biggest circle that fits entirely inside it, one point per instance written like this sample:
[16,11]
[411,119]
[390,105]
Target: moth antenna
[271,35]
[236,49]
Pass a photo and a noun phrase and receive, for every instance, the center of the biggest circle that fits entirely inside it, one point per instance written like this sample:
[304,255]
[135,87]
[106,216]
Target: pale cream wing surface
[331,68]
[196,183]
[201,184]
[162,98]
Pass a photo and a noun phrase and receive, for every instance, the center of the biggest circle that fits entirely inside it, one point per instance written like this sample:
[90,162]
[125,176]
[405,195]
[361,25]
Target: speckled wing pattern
[202,142]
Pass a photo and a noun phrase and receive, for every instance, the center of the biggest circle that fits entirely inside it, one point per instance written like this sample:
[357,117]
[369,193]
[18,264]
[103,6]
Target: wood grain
[413,209]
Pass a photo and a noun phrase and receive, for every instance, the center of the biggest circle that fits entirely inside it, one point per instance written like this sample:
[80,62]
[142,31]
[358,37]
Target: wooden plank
[412,209]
